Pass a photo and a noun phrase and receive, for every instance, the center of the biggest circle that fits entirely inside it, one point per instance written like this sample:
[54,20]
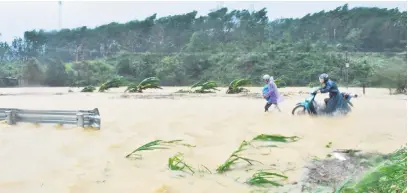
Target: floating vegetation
[88,89]
[276,138]
[156,144]
[260,178]
[177,163]
[184,144]
[234,157]
[315,158]
[329,145]
[236,86]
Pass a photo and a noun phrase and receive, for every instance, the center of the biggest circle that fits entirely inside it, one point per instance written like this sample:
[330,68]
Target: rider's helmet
[324,77]
[266,77]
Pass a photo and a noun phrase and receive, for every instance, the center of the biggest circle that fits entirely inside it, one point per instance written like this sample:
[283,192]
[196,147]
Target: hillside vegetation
[222,46]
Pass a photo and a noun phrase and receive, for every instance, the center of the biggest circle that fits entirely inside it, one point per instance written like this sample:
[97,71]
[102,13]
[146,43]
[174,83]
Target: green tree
[170,71]
[55,75]
[32,73]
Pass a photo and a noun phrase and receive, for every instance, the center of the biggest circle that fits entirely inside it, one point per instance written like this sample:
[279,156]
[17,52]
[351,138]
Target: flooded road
[48,159]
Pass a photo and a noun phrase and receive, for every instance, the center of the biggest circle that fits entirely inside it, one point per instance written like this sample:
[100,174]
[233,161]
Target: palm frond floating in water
[262,178]
[156,144]
[275,138]
[177,163]
[153,145]
[234,157]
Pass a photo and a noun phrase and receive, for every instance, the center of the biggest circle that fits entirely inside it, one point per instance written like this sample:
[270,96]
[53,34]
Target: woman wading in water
[270,93]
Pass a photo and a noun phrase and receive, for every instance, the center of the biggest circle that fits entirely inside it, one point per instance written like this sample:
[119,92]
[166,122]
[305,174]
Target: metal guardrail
[80,118]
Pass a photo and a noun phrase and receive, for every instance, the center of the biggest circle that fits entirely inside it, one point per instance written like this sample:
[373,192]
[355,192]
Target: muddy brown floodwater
[48,159]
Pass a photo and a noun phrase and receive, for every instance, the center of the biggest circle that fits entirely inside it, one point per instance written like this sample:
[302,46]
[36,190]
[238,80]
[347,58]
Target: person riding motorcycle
[330,87]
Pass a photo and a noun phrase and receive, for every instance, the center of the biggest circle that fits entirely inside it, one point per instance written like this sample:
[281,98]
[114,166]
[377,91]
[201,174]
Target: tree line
[222,46]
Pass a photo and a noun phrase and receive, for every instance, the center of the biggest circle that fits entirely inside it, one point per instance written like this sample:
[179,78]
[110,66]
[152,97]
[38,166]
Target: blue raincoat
[336,100]
[265,90]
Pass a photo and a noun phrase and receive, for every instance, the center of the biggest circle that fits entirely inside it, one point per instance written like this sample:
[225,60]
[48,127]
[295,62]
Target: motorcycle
[310,106]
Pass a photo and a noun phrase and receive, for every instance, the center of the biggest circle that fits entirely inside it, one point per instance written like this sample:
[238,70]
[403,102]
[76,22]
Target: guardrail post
[95,120]
[80,119]
[10,117]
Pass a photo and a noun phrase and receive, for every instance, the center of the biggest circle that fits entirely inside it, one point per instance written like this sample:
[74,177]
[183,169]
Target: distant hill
[181,49]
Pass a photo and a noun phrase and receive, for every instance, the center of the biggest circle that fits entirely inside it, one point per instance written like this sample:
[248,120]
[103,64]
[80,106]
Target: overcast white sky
[17,16]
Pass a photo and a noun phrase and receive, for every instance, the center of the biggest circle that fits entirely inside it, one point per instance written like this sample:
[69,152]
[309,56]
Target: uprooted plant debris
[328,174]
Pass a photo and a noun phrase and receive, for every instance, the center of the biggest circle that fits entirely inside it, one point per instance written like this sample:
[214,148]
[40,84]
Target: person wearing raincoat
[270,93]
[335,100]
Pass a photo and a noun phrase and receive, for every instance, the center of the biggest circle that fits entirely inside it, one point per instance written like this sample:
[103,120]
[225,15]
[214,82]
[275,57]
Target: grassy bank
[389,175]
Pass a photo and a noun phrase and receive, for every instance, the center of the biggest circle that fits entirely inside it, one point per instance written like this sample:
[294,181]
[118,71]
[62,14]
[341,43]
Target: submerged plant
[177,163]
[205,87]
[156,144]
[275,138]
[260,178]
[236,86]
[280,82]
[88,89]
[234,157]
[148,83]
[114,83]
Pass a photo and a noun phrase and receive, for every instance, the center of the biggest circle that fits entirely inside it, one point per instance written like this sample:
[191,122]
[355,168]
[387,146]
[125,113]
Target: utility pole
[59,14]
[347,67]
[251,7]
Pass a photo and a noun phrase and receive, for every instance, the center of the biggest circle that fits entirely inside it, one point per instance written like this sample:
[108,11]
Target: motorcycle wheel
[299,110]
